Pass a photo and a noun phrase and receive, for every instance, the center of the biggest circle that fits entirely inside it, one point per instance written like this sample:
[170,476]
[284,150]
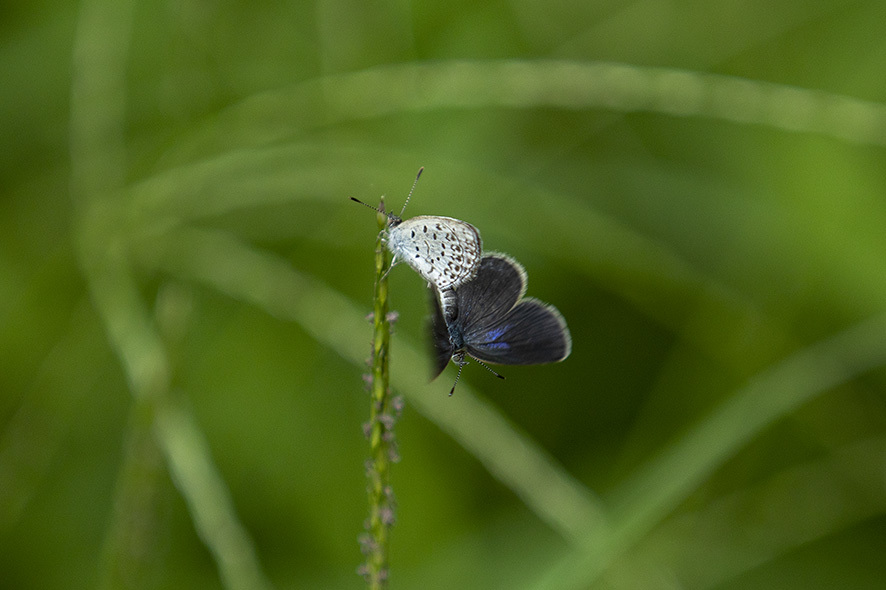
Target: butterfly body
[489,320]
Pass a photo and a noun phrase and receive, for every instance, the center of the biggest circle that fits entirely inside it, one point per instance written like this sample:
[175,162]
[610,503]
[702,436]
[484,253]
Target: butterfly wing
[529,334]
[485,300]
[442,347]
[491,322]
[499,283]
[443,250]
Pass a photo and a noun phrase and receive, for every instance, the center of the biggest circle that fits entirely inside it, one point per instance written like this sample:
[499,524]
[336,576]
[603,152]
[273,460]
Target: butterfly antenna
[490,369]
[461,365]
[409,196]
[378,209]
[457,377]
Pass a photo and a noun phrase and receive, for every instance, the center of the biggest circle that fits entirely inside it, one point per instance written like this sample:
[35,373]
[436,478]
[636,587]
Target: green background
[699,187]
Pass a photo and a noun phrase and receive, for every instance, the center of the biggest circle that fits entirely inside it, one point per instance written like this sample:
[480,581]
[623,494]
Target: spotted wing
[444,251]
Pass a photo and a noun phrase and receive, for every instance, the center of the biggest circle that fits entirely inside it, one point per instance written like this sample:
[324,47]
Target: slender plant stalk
[383,411]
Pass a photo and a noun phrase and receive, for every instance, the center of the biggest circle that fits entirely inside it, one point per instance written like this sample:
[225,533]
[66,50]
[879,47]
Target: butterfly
[445,251]
[488,319]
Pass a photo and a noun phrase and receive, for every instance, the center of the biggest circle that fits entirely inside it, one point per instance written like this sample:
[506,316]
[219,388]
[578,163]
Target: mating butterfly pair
[478,306]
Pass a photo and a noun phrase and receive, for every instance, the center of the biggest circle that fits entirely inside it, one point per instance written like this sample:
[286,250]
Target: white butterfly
[445,251]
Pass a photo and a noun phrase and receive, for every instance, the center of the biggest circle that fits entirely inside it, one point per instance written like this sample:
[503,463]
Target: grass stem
[383,412]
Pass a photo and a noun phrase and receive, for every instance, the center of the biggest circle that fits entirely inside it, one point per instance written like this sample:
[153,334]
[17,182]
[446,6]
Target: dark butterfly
[487,320]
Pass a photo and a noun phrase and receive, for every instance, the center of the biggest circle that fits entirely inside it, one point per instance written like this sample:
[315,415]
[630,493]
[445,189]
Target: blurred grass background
[700,189]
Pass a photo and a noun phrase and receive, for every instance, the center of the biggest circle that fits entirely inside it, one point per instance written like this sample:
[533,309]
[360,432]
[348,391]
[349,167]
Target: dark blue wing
[442,347]
[489,296]
[529,334]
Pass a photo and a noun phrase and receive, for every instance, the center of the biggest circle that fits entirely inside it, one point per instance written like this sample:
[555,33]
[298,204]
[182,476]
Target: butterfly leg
[394,262]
